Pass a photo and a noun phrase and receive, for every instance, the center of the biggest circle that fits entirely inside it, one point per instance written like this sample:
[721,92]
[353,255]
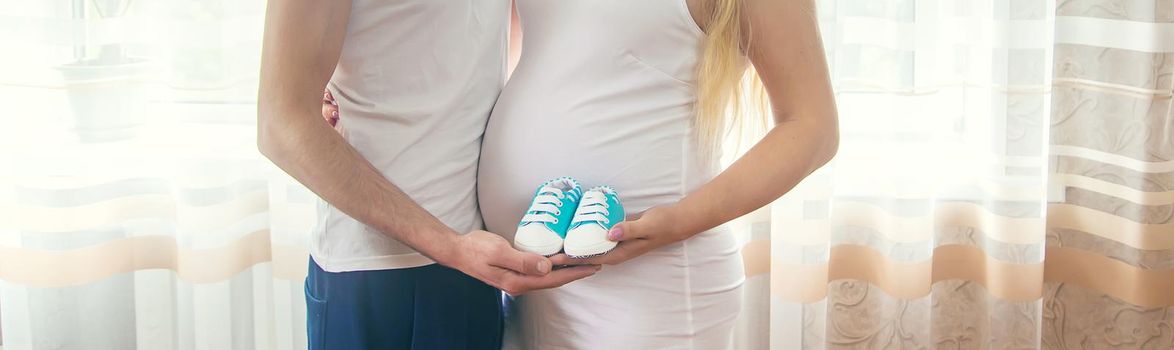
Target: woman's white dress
[604,93]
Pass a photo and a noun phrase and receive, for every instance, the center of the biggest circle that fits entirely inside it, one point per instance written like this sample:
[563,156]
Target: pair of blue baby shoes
[562,217]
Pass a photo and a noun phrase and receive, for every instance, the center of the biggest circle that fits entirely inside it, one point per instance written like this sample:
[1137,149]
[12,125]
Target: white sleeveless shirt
[415,84]
[605,92]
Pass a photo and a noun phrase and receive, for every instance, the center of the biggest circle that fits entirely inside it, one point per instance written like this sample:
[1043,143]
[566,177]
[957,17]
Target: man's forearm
[302,42]
[314,154]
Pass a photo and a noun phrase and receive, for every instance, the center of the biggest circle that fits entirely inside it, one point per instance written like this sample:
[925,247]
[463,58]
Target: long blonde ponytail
[729,93]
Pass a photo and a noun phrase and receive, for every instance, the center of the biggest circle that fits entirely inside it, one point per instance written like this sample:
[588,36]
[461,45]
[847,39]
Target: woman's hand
[655,228]
[329,108]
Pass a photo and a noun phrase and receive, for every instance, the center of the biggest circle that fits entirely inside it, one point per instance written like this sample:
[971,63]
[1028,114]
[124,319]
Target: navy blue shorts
[428,307]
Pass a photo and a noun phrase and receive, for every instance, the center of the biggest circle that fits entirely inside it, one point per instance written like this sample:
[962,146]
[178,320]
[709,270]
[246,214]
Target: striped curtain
[1005,180]
[1109,263]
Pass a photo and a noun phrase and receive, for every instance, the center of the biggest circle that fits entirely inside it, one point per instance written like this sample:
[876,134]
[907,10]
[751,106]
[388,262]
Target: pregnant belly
[642,159]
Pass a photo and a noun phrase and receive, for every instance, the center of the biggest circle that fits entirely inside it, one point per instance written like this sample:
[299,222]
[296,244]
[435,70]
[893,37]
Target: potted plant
[106,87]
[198,67]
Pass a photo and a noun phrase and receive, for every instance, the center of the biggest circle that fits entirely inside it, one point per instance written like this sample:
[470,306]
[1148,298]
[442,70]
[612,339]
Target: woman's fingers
[624,251]
[328,98]
[633,216]
[330,113]
[628,230]
[329,108]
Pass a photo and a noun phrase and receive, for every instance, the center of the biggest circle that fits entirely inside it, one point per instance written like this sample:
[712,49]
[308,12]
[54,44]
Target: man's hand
[491,259]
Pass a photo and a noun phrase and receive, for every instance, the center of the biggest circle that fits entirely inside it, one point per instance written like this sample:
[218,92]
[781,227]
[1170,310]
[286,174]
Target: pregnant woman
[635,94]
[632,94]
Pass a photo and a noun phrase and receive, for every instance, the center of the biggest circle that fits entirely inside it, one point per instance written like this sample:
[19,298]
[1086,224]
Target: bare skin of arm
[302,43]
[515,37]
[788,54]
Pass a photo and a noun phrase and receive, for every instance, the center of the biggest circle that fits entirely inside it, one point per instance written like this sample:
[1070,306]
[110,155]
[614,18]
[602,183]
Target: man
[417,79]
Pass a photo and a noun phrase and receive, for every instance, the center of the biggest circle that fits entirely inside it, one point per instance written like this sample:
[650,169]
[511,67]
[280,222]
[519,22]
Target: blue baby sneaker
[545,224]
[599,210]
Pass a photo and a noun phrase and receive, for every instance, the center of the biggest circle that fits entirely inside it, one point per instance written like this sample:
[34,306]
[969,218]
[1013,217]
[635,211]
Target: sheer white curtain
[927,229]
[135,211]
[993,151]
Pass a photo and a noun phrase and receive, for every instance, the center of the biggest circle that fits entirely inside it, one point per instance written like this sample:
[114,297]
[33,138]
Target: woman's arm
[301,46]
[787,52]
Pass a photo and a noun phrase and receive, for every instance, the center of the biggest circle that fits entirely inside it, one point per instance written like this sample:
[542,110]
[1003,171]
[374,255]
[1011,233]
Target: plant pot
[108,99]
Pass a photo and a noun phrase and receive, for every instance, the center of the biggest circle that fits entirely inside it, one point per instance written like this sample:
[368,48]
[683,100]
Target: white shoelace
[593,208]
[545,206]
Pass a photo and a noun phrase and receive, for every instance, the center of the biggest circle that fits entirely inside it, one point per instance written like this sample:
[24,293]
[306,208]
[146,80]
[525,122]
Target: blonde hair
[729,92]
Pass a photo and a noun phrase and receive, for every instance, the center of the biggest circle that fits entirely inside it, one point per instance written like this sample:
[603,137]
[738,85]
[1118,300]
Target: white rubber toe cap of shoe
[537,238]
[587,240]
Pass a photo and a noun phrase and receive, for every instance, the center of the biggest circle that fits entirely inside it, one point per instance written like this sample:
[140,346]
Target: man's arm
[302,42]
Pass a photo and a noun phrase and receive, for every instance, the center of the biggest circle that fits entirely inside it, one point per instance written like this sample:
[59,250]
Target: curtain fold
[1005,180]
[1110,239]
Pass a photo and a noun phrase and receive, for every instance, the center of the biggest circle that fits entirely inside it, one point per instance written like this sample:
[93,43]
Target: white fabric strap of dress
[592,209]
[545,206]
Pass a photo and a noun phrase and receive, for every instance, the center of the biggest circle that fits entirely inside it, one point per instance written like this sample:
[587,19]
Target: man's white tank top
[415,83]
